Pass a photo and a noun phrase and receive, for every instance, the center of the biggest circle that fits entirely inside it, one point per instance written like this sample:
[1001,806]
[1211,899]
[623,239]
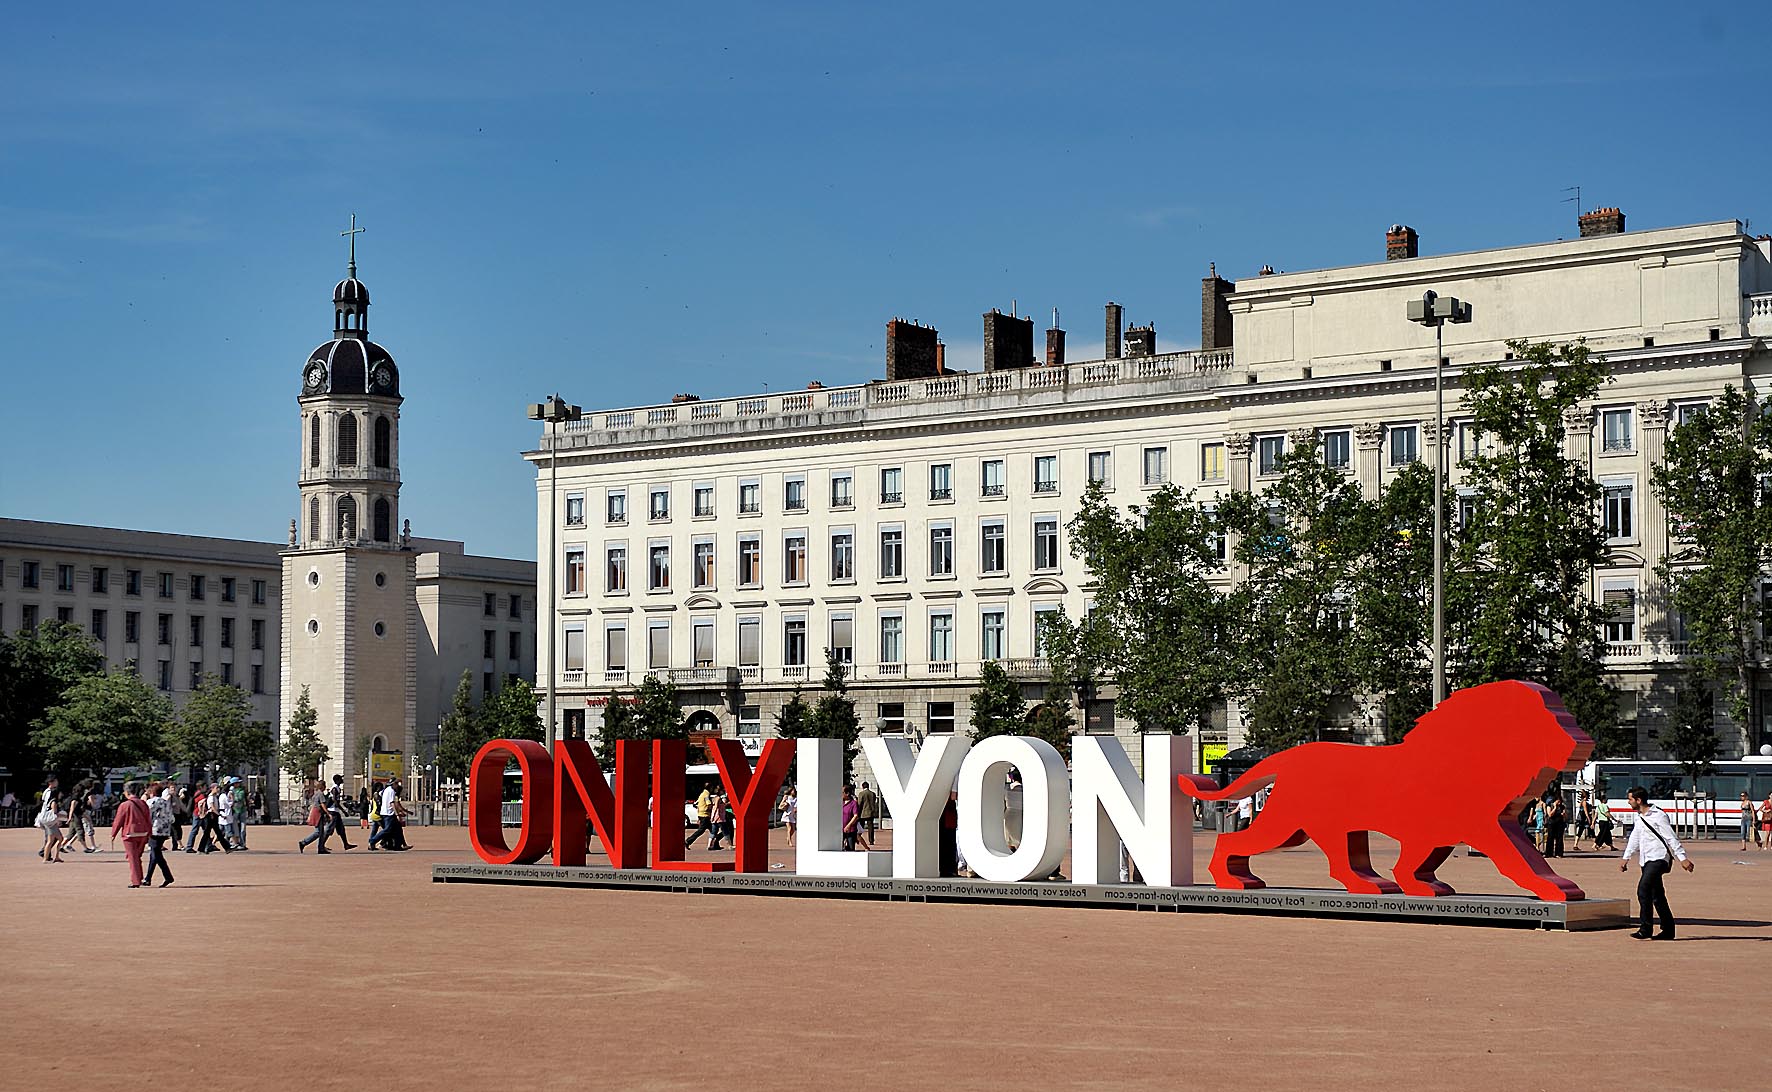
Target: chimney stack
[1054,343]
[1116,320]
[1602,222]
[1008,341]
[1401,242]
[941,359]
[912,351]
[1141,340]
[1215,310]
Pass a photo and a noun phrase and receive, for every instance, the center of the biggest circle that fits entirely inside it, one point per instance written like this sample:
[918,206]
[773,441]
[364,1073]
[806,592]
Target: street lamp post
[553,412]
[1435,310]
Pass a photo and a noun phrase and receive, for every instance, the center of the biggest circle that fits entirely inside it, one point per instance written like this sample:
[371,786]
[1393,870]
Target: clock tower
[349,620]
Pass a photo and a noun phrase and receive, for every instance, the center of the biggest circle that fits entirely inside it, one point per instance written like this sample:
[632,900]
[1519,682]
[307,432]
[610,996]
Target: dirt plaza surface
[330,972]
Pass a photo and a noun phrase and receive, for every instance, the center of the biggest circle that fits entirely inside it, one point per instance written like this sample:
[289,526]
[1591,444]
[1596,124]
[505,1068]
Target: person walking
[790,812]
[1556,820]
[239,832]
[1766,823]
[160,827]
[393,819]
[1748,817]
[867,803]
[181,811]
[335,809]
[133,823]
[317,818]
[1584,818]
[50,823]
[1602,823]
[1653,840]
[223,811]
[80,803]
[704,807]
[717,813]
[852,835]
[199,810]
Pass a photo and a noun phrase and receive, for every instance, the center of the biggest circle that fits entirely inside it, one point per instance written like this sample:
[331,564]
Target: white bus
[1724,784]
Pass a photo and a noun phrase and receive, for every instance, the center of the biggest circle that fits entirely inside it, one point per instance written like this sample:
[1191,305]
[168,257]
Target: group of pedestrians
[383,807]
[144,821]
[1549,818]
[1756,822]
[713,817]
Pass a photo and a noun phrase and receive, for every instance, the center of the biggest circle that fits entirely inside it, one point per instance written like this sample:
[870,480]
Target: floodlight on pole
[1435,310]
[554,412]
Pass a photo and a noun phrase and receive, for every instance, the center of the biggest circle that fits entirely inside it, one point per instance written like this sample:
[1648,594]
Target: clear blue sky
[626,201]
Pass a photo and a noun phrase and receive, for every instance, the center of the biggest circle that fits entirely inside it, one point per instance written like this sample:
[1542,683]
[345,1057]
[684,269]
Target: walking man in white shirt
[1653,840]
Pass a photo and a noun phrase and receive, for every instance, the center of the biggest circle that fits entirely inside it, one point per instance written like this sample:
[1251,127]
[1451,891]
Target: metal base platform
[1490,910]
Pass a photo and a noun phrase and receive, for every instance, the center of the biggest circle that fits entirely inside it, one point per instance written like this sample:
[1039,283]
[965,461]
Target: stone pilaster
[1368,440]
[1578,434]
[1237,447]
[1652,523]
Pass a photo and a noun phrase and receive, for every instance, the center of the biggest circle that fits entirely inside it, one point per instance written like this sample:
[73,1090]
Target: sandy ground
[308,973]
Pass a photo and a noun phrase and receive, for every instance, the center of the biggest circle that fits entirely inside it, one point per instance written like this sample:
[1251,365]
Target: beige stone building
[917,523]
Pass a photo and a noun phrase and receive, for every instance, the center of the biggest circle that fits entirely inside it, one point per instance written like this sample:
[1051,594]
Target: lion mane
[1463,775]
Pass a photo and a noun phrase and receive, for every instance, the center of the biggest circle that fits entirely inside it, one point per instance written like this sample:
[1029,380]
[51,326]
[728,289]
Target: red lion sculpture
[1462,775]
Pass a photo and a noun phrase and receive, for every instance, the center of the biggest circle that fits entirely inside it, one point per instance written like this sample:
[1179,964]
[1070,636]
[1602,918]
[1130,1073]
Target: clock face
[315,376]
[381,377]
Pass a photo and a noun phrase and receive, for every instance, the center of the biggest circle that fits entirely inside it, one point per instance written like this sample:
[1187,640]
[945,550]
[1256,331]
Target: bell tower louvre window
[347,439]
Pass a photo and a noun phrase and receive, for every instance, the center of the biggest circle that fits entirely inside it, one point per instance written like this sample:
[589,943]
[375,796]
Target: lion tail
[1258,777]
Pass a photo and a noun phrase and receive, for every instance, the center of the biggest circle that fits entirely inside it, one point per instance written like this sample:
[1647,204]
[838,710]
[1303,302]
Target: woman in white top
[51,825]
[790,812]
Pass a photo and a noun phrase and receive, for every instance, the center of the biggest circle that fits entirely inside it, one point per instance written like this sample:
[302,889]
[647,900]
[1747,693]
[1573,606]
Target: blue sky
[622,202]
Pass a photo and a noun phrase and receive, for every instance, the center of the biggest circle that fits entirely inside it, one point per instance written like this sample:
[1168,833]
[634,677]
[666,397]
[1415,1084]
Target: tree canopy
[215,728]
[37,666]
[302,752]
[105,722]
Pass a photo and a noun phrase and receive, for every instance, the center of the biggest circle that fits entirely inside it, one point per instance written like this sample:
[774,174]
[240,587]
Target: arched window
[347,519]
[314,519]
[384,442]
[347,440]
[314,440]
[384,515]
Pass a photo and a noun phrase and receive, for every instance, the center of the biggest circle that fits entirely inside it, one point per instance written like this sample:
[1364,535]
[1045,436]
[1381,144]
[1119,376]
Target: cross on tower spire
[352,236]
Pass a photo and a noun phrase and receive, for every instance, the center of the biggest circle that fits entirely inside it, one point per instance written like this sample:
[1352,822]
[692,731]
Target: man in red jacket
[134,824]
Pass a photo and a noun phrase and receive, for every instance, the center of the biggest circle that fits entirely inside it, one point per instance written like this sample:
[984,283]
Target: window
[941,481]
[196,675]
[891,639]
[1405,444]
[843,490]
[701,641]
[165,585]
[941,550]
[1338,449]
[991,634]
[793,641]
[658,566]
[991,553]
[1045,474]
[891,553]
[313,443]
[615,506]
[198,586]
[132,581]
[1212,462]
[575,647]
[1467,509]
[516,606]
[384,442]
[64,578]
[258,678]
[750,498]
[486,683]
[347,439]
[941,718]
[132,627]
[575,574]
[99,626]
[575,509]
[1045,615]
[793,558]
[101,580]
[891,718]
[1619,600]
[990,475]
[514,647]
[28,618]
[1101,469]
[658,644]
[1619,515]
[258,633]
[793,494]
[164,682]
[750,720]
[615,647]
[314,518]
[227,633]
[701,501]
[228,586]
[489,604]
[750,561]
[258,593]
[1046,542]
[1156,465]
[197,632]
[1269,451]
[892,485]
[227,674]
[1687,412]
[941,637]
[488,644]
[1615,430]
[842,644]
[750,642]
[842,555]
[164,629]
[615,569]
[702,564]
[64,614]
[659,506]
[1215,536]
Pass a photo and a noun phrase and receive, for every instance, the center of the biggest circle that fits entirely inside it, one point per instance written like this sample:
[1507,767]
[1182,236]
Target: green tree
[656,714]
[998,708]
[215,730]
[1158,626]
[1302,540]
[512,713]
[1393,602]
[460,736]
[1721,519]
[833,715]
[1517,592]
[618,724]
[105,722]
[1690,735]
[302,752]
[794,719]
[37,666]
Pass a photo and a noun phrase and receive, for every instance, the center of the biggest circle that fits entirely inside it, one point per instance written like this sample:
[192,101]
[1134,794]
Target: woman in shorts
[51,825]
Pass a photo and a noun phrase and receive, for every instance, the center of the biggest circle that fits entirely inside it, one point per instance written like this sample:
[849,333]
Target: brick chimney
[1008,341]
[679,399]
[941,359]
[912,350]
[1602,222]
[1215,311]
[1401,242]
[1116,321]
[1054,343]
[1141,340]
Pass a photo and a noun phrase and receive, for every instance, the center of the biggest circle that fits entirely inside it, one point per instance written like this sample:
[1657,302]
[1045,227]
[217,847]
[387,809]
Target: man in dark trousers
[1653,840]
[334,802]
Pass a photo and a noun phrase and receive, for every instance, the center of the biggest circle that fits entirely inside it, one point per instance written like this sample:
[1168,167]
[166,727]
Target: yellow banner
[1210,753]
[387,764]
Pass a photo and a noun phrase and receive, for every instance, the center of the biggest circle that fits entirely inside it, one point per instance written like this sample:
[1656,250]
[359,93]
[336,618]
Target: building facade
[917,525]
